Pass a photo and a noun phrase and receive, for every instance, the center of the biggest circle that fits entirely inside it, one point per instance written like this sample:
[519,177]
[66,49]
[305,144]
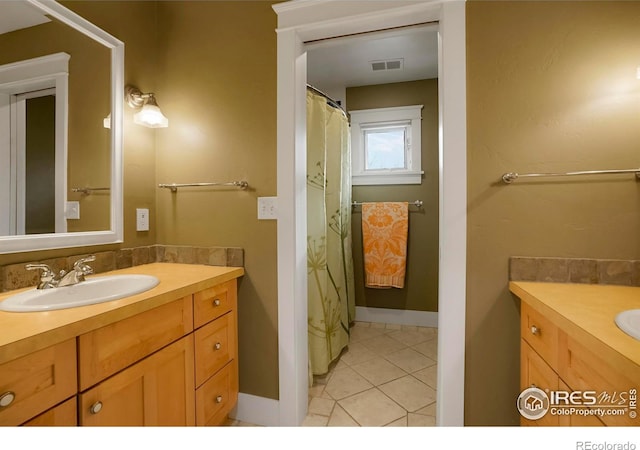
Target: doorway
[300,22]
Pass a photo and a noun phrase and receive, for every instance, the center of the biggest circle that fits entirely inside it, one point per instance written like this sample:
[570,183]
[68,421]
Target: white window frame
[366,119]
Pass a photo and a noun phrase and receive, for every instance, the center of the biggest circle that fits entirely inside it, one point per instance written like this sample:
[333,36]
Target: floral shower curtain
[331,294]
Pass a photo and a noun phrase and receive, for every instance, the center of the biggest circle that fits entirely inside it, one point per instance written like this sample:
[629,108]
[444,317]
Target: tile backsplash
[575,270]
[15,276]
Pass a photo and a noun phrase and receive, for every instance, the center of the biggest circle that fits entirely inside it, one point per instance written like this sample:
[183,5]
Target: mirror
[61,99]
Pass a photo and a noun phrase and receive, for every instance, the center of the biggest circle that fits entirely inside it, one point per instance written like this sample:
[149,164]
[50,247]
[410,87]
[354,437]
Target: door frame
[301,21]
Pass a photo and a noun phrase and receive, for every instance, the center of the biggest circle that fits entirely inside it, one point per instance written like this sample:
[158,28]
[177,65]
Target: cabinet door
[36,382]
[575,420]
[157,391]
[63,415]
[535,372]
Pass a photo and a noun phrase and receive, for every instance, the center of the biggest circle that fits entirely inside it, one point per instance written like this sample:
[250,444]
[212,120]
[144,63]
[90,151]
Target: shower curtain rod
[331,101]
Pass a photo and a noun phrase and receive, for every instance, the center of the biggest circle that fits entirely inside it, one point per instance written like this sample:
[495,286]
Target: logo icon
[533,403]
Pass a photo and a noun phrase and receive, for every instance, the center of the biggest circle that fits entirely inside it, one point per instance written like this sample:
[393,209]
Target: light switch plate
[267,208]
[72,211]
[142,219]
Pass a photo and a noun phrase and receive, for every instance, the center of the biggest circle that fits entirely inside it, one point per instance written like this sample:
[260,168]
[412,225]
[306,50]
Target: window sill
[387,178]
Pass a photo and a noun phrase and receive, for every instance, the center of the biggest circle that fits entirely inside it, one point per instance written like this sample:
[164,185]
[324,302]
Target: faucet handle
[46,270]
[82,266]
[47,278]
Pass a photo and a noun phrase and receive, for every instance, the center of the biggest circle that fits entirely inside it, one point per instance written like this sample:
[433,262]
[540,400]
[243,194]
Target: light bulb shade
[106,122]
[151,116]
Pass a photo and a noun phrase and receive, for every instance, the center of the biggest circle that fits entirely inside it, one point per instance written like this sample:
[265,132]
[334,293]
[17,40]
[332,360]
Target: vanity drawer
[540,333]
[534,372]
[583,370]
[63,415]
[37,381]
[215,346]
[109,349]
[216,397]
[213,302]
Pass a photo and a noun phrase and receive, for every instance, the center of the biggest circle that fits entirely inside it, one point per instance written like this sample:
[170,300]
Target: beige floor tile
[409,393]
[321,406]
[356,353]
[360,324]
[410,337]
[408,327]
[315,420]
[359,334]
[316,390]
[428,348]
[393,327]
[378,325]
[340,418]
[383,345]
[428,410]
[410,360]
[418,420]
[379,370]
[428,376]
[372,408]
[401,422]
[346,382]
[429,331]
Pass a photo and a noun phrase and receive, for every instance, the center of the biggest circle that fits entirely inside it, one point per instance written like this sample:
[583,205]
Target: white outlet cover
[267,208]
[72,211]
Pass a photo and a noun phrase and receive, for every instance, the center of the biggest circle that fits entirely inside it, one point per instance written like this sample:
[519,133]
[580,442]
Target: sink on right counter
[577,367]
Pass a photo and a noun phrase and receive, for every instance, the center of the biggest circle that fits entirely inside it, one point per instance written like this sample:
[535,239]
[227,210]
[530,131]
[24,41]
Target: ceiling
[347,61]
[15,15]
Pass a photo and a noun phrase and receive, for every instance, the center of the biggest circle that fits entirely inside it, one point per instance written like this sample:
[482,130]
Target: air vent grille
[390,64]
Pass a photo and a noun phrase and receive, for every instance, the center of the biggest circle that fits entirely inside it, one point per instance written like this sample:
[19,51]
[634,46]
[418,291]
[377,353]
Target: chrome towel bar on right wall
[510,177]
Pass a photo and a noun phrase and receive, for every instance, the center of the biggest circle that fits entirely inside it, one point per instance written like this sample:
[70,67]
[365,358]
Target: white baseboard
[257,410]
[397,316]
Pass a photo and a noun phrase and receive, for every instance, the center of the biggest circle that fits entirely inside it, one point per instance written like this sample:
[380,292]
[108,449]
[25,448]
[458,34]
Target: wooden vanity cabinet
[551,358]
[155,368]
[32,384]
[216,353]
[157,391]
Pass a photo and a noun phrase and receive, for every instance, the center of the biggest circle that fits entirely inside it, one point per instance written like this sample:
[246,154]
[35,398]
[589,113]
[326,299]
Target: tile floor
[385,377]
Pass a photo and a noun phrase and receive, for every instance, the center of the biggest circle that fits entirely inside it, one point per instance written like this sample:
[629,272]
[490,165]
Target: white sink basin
[629,322]
[91,291]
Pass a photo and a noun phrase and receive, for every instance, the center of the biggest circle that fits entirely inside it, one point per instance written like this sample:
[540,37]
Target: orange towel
[385,227]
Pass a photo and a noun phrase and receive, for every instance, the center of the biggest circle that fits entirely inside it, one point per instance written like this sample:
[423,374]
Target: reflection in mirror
[59,75]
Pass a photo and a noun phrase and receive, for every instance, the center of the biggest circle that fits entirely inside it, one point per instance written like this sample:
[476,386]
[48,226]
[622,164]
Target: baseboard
[257,410]
[397,316]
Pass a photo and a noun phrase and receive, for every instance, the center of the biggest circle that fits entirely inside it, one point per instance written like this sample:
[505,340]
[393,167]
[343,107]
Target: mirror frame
[48,241]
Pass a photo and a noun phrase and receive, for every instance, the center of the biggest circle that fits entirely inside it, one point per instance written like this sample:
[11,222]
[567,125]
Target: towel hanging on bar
[385,227]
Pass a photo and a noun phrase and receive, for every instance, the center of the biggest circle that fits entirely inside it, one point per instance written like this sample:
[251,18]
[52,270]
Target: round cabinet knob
[96,408]
[216,302]
[218,346]
[219,399]
[7,398]
[535,330]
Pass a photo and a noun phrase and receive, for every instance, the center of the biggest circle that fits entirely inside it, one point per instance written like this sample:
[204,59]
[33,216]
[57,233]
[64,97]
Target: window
[386,146]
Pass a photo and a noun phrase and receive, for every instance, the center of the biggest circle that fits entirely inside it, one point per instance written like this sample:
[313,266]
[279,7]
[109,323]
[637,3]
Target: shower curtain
[331,295]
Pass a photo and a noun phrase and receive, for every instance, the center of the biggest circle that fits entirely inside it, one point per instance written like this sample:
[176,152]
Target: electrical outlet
[267,208]
[72,211]
[142,219]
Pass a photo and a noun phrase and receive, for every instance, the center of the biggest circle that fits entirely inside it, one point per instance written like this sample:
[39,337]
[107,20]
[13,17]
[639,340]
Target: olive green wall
[217,85]
[551,86]
[421,283]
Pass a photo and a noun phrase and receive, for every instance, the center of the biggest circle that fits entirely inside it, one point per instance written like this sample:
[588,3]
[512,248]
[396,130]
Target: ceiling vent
[389,64]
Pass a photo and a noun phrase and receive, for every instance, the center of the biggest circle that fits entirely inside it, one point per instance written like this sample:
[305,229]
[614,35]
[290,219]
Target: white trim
[12,244]
[343,18]
[397,316]
[256,410]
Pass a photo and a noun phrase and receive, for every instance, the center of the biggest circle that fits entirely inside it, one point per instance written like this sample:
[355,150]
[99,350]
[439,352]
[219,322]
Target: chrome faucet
[76,275]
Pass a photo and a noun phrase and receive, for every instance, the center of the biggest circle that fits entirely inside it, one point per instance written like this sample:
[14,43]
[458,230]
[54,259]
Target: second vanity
[167,356]
[570,343]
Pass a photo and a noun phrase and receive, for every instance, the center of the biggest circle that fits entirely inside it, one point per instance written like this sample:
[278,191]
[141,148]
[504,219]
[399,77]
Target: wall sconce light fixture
[149,114]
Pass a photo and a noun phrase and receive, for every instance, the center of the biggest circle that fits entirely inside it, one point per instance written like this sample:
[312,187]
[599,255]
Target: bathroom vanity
[167,356]
[570,343]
